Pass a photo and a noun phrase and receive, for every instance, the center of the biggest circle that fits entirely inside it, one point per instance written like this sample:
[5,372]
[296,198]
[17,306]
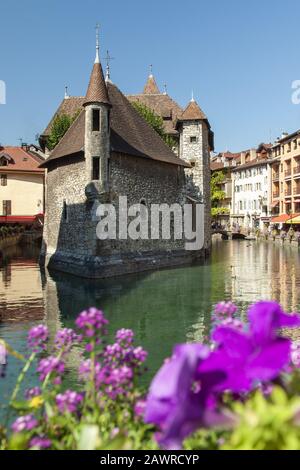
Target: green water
[163,307]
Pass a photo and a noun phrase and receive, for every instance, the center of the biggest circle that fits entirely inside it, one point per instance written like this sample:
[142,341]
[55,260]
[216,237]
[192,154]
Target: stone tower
[195,143]
[97,129]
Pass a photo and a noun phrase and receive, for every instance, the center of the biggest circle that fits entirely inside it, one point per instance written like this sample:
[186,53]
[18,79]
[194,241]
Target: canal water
[163,307]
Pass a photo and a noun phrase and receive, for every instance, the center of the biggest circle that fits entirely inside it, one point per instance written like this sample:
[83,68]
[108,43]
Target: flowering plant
[239,390]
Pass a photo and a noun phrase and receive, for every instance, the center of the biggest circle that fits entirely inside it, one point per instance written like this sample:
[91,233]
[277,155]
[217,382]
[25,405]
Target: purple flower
[65,338]
[266,318]
[140,408]
[139,355]
[180,399]
[24,423]
[256,356]
[227,309]
[92,322]
[51,365]
[32,392]
[68,401]
[37,338]
[124,337]
[40,442]
[295,353]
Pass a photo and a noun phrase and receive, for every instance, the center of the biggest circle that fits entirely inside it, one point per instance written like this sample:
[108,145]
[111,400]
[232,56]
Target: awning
[274,204]
[294,220]
[18,219]
[280,219]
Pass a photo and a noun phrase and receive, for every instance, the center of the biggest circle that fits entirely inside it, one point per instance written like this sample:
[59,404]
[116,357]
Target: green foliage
[266,423]
[60,125]
[215,211]
[155,121]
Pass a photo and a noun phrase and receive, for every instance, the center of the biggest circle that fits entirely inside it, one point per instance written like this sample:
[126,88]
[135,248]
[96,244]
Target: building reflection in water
[163,307]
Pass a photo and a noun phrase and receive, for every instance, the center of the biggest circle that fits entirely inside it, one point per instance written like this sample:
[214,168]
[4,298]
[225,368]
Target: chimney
[252,154]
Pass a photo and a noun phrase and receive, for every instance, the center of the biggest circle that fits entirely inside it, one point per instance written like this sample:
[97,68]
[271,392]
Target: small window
[96,168]
[65,211]
[96,120]
[6,207]
[143,202]
[193,139]
[193,164]
[3,180]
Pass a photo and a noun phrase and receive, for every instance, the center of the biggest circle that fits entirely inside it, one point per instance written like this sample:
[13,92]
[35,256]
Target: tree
[155,121]
[217,194]
[60,125]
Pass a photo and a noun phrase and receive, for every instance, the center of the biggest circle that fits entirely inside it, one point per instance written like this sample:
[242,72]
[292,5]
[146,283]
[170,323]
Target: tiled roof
[97,91]
[192,112]
[163,106]
[151,88]
[68,106]
[21,160]
[130,134]
[256,162]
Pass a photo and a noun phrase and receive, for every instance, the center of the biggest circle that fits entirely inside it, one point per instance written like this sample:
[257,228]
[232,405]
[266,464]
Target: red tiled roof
[192,112]
[97,91]
[151,88]
[21,160]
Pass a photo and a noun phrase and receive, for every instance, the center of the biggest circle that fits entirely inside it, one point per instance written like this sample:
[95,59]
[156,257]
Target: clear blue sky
[240,59]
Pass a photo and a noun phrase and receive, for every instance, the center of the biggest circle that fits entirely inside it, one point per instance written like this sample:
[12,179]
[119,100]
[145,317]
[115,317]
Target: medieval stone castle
[111,151]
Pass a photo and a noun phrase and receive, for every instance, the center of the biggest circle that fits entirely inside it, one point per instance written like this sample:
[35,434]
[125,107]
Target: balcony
[276,176]
[296,190]
[287,173]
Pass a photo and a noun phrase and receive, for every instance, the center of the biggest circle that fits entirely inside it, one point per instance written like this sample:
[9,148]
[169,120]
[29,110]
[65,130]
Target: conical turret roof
[151,88]
[97,90]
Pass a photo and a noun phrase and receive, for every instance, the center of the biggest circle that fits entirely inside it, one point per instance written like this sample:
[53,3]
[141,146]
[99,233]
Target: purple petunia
[69,401]
[40,442]
[24,423]
[180,399]
[184,393]
[37,338]
[258,355]
[51,365]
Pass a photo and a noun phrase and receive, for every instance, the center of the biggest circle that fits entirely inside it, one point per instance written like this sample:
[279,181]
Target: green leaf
[89,438]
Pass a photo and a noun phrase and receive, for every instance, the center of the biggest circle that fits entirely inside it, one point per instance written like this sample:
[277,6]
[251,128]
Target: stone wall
[70,241]
[198,155]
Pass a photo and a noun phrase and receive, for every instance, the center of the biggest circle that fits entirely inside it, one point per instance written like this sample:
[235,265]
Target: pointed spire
[97,91]
[192,112]
[67,96]
[151,88]
[107,71]
[97,58]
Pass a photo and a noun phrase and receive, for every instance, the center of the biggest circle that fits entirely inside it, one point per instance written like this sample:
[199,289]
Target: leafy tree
[217,194]
[60,125]
[155,121]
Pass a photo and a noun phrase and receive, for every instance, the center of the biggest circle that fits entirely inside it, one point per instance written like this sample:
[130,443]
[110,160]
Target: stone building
[110,151]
